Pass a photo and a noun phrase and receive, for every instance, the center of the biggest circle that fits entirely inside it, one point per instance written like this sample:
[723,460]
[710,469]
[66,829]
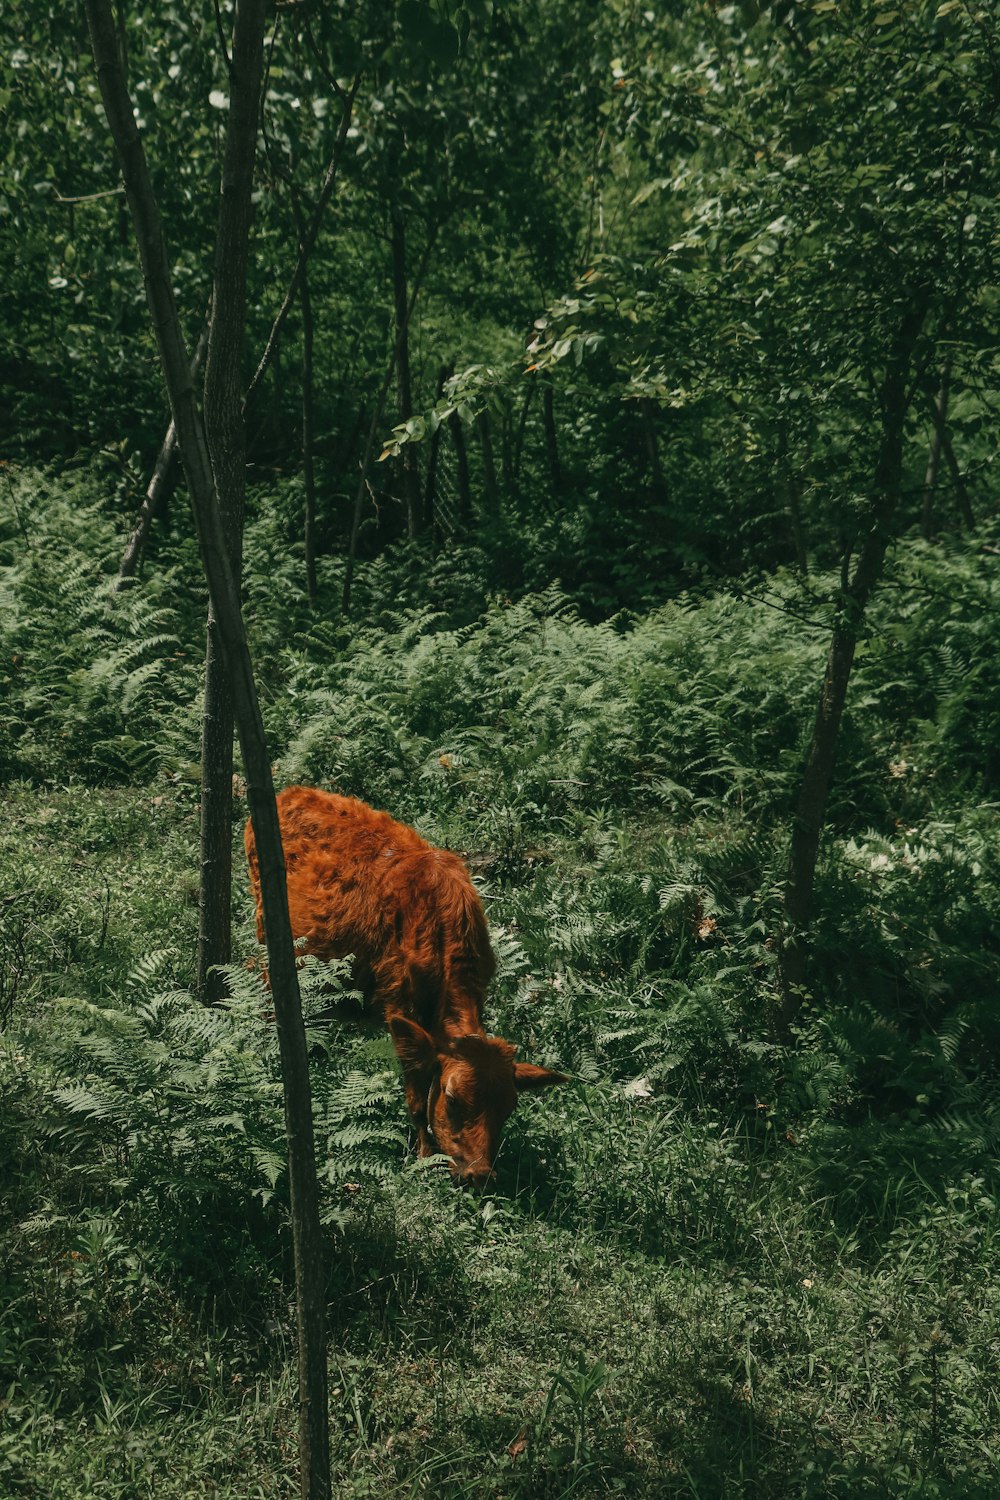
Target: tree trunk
[223,590]
[490,485]
[352,549]
[152,504]
[430,484]
[305,246]
[798,531]
[522,427]
[157,488]
[657,486]
[811,806]
[345,444]
[958,482]
[507,449]
[939,415]
[156,492]
[551,439]
[308,465]
[226,436]
[216,822]
[404,390]
[462,459]
[359,497]
[793,489]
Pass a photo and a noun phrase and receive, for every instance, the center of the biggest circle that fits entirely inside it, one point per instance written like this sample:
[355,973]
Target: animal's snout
[476,1177]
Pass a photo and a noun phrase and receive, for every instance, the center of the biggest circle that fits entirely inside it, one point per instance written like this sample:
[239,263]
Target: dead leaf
[517,1447]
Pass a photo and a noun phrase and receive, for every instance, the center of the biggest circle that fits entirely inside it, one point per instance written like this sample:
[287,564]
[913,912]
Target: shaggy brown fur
[360,883]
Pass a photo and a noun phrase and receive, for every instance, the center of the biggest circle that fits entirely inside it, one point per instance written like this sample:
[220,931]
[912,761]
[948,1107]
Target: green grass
[663,1297]
[711,1267]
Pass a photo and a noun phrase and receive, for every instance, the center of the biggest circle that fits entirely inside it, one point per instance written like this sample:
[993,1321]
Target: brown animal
[360,883]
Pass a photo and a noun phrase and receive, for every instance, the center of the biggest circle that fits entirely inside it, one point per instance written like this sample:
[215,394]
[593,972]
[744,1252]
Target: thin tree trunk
[224,592]
[161,473]
[308,465]
[793,490]
[306,245]
[359,497]
[430,484]
[216,822]
[308,445]
[462,459]
[551,438]
[658,487]
[490,485]
[811,805]
[522,427]
[404,388]
[958,482]
[152,504]
[798,531]
[345,446]
[939,418]
[507,449]
[352,548]
[226,436]
[157,489]
[939,415]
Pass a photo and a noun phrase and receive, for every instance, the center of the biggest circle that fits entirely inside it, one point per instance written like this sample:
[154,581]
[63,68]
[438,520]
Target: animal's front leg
[416,1103]
[418,1059]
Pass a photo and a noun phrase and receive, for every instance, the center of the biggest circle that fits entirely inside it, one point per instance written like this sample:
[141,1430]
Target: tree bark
[359,497]
[226,435]
[958,482]
[352,548]
[404,387]
[657,486]
[811,805]
[551,437]
[149,510]
[308,442]
[939,414]
[306,245]
[462,459]
[798,531]
[522,427]
[157,489]
[507,439]
[430,484]
[223,590]
[793,489]
[490,485]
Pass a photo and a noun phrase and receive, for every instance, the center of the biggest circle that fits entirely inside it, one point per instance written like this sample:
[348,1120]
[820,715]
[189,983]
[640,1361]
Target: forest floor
[711,1266]
[656,1299]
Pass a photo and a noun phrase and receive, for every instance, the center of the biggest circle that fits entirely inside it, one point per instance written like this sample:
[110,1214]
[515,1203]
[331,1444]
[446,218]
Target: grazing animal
[360,883]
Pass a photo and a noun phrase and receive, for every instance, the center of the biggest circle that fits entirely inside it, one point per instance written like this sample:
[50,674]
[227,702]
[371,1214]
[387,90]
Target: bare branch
[306,248]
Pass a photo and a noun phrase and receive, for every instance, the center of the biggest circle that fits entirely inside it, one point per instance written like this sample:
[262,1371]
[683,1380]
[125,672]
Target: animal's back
[361,883]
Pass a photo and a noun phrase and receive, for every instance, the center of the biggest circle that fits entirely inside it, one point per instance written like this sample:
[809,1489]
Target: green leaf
[438,40]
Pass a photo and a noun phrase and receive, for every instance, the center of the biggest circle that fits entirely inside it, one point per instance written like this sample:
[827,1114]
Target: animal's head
[470,1089]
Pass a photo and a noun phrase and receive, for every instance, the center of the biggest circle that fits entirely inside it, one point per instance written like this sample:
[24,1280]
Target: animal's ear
[414,1045]
[527,1076]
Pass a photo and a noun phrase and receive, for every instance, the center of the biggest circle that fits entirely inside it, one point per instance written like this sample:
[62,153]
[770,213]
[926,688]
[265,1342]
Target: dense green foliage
[709,1265]
[660,265]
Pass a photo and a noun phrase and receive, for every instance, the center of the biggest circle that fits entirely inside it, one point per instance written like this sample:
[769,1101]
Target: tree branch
[306,247]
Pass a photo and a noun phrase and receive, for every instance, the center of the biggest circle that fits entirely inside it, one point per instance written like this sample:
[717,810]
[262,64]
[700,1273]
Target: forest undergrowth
[711,1265]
